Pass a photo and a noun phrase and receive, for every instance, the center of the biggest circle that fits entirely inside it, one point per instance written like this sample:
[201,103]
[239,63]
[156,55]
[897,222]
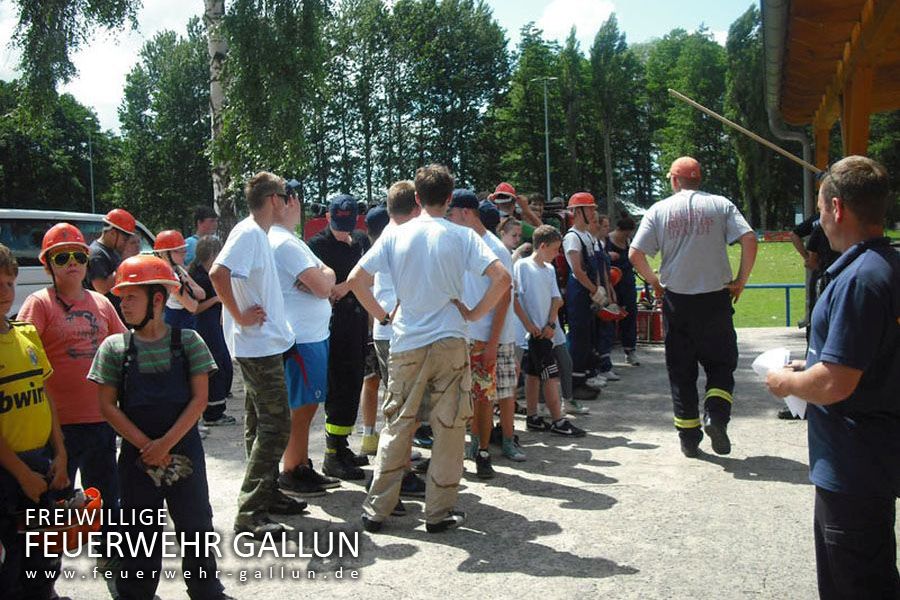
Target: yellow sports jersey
[25,417]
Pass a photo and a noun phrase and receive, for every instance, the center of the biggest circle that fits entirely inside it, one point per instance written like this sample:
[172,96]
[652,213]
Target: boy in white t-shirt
[537,305]
[306,283]
[257,333]
[427,259]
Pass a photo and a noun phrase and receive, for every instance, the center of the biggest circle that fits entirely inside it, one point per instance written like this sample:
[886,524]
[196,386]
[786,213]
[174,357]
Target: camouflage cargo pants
[267,426]
[437,376]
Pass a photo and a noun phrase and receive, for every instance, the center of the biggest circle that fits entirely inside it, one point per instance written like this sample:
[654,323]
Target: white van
[22,231]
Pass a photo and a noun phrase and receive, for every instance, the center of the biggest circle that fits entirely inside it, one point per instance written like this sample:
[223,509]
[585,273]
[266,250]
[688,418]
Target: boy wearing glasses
[72,322]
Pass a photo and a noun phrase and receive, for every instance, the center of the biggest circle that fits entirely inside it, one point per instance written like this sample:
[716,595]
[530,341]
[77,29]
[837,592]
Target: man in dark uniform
[850,378]
[340,248]
[105,253]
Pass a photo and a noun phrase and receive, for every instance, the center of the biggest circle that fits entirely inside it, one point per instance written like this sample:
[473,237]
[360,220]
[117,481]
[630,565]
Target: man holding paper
[850,379]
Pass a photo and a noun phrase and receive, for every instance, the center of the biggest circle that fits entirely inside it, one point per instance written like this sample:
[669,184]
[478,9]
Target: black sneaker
[454,519]
[412,486]
[300,482]
[497,435]
[536,423]
[335,466]
[565,427]
[421,467]
[325,482]
[483,468]
[718,435]
[424,437]
[370,524]
[285,505]
[399,510]
[521,410]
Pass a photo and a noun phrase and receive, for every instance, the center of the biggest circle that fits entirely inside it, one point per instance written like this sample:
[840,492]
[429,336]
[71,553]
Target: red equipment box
[650,326]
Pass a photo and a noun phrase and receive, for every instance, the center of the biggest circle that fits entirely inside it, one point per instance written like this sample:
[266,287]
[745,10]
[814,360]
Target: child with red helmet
[184,302]
[153,386]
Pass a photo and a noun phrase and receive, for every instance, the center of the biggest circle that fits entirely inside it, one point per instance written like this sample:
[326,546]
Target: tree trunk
[213,18]
[607,167]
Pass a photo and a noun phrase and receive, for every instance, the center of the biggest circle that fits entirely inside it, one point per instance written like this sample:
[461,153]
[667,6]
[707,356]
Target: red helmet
[169,240]
[612,312]
[82,519]
[503,193]
[59,236]
[144,270]
[615,275]
[582,199]
[121,219]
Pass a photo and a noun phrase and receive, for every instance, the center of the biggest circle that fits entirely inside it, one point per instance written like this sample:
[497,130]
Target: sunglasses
[63,258]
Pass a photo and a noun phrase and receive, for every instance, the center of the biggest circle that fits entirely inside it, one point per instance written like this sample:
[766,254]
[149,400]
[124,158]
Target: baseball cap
[377,219]
[490,216]
[464,199]
[686,167]
[343,209]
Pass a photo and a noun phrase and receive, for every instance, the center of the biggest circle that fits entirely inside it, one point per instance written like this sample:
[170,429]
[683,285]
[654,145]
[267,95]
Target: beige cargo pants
[432,382]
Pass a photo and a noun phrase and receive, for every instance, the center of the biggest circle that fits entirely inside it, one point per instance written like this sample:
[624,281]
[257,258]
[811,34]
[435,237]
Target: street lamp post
[545,80]
[91,163]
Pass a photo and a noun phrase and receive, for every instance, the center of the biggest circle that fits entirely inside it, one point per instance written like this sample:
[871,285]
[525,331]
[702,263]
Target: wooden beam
[856,110]
[822,144]
[873,32]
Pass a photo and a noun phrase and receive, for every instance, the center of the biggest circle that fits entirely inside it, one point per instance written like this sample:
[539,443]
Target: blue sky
[104,63]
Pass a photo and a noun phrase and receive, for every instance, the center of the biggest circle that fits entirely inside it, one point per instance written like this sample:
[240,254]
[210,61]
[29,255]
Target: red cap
[121,219]
[144,269]
[168,240]
[61,235]
[503,193]
[581,199]
[685,167]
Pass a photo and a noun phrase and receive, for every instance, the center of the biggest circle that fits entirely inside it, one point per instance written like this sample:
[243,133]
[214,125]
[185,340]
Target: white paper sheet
[777,358]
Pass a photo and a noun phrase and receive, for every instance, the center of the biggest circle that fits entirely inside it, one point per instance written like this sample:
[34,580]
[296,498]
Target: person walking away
[693,229]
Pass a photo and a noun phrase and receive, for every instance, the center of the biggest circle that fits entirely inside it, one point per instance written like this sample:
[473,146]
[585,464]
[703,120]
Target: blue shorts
[306,373]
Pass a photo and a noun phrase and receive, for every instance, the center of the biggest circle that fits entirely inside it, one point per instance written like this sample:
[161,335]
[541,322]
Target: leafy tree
[769,184]
[164,169]
[44,160]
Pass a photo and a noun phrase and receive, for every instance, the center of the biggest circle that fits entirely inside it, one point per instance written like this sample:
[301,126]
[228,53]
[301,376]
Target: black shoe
[483,468]
[564,427]
[399,510]
[334,466]
[718,435]
[370,524]
[285,505]
[690,448]
[421,467]
[413,486]
[348,456]
[423,437]
[300,482]
[260,525]
[536,423]
[454,519]
[325,482]
[785,414]
[582,392]
[520,410]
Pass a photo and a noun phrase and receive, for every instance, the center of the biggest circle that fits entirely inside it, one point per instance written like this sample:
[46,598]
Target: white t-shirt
[693,230]
[571,243]
[427,259]
[475,288]
[383,290]
[254,280]
[307,315]
[536,288]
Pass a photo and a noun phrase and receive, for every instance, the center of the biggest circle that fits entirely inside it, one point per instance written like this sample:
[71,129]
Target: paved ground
[618,514]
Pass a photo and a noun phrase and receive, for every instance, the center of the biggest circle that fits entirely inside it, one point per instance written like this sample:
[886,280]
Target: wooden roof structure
[841,62]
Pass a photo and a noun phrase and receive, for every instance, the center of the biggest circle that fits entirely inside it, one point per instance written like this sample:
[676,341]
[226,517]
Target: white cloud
[586,16]
[720,35]
[103,64]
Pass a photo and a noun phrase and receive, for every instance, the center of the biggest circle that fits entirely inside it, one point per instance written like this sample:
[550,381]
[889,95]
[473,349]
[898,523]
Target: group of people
[442,303]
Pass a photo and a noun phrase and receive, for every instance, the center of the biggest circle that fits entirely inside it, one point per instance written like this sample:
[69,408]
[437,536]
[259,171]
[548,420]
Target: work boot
[483,468]
[690,442]
[718,434]
[337,465]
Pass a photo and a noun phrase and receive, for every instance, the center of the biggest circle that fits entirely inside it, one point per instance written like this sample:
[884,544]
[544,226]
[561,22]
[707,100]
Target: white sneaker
[610,375]
[632,358]
[204,430]
[574,407]
[596,382]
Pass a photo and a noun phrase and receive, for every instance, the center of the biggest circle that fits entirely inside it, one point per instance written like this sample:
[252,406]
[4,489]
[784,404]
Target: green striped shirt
[153,357]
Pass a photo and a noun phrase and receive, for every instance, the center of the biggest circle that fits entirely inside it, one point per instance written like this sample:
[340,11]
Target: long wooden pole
[746,132]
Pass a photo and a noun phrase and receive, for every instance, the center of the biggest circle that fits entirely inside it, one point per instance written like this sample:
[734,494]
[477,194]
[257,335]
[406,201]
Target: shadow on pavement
[761,468]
